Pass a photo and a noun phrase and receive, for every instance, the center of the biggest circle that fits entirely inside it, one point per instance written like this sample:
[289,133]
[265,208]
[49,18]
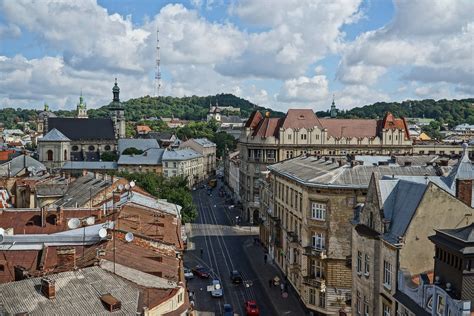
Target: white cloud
[304,89]
[433,39]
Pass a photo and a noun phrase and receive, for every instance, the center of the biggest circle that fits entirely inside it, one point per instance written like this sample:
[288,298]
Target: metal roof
[54,136]
[77,293]
[138,143]
[466,234]
[152,156]
[149,202]
[204,142]
[181,154]
[90,165]
[16,165]
[311,171]
[83,129]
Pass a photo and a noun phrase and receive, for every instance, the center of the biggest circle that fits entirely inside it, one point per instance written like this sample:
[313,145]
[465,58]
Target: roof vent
[110,302]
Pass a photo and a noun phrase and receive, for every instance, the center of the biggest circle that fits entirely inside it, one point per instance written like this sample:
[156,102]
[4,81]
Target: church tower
[81,108]
[118,112]
[333,108]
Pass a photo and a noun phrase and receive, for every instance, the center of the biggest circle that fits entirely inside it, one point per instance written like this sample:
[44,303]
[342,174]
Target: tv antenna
[129,237]
[157,66]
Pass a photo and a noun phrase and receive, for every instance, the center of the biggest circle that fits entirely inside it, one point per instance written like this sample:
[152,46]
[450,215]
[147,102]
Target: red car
[201,272]
[251,308]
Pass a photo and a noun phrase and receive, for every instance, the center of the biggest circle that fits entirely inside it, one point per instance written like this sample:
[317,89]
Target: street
[225,247]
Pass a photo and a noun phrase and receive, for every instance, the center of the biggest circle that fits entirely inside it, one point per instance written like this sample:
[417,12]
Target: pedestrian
[265,258]
[270,283]
[202,251]
[282,287]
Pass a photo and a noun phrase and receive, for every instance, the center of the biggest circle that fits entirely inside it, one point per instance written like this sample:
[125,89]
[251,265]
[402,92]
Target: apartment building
[266,140]
[306,207]
[207,149]
[184,162]
[390,233]
[231,173]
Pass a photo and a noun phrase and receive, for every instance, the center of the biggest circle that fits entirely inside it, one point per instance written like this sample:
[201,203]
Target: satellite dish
[127,187]
[73,223]
[129,237]
[102,233]
[132,184]
[120,187]
[90,220]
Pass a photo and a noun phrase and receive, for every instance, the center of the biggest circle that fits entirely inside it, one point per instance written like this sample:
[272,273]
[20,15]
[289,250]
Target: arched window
[107,147]
[50,155]
[75,148]
[65,154]
[91,148]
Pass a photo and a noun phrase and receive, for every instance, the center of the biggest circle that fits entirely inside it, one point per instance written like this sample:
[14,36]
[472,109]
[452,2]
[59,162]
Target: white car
[188,274]
[217,291]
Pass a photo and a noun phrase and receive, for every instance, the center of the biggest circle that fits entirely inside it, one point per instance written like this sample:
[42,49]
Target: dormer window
[303,136]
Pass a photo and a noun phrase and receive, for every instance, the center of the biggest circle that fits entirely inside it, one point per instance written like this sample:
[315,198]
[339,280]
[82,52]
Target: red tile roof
[254,119]
[350,127]
[390,122]
[267,127]
[301,118]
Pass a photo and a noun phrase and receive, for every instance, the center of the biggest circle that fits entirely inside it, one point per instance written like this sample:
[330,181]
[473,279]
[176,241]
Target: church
[81,138]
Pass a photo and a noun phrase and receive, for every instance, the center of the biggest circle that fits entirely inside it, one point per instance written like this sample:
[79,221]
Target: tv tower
[157,69]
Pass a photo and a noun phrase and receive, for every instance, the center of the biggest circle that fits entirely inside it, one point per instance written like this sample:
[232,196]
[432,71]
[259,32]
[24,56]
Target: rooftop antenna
[157,69]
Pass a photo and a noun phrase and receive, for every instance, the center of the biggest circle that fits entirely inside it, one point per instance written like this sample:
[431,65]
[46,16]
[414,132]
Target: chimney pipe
[48,288]
[464,191]
[59,215]
[43,217]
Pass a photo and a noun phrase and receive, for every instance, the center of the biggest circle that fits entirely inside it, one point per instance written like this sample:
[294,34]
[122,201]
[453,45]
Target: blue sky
[280,54]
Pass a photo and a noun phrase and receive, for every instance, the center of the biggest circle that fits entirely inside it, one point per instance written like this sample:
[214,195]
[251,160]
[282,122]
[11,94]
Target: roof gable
[300,118]
[54,136]
[350,127]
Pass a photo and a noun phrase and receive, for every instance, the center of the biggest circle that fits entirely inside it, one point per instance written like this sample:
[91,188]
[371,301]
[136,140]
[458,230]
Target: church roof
[83,129]
[54,136]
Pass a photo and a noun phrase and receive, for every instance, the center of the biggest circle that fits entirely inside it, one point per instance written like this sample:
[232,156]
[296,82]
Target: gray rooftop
[311,171]
[204,142]
[18,164]
[465,234]
[90,165]
[152,156]
[77,293]
[79,191]
[54,136]
[138,143]
[180,154]
[463,170]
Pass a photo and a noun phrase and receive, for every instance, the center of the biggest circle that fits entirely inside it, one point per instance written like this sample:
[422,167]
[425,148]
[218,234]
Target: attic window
[301,117]
[2,268]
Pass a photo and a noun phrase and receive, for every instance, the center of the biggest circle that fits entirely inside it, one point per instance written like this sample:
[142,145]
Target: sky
[276,53]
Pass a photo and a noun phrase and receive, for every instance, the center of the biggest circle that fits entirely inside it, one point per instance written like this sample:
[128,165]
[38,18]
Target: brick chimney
[464,191]
[48,288]
[66,258]
[59,215]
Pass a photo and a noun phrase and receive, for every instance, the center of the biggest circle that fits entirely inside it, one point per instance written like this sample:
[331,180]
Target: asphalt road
[221,254]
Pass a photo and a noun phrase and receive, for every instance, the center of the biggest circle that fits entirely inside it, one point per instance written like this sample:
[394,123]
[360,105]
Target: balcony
[313,281]
[294,267]
[314,223]
[310,251]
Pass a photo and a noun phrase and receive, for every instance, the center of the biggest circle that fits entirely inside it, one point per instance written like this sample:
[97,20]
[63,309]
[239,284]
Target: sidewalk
[285,306]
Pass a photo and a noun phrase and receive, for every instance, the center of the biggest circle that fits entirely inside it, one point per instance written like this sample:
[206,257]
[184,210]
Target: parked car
[236,277]
[201,272]
[188,274]
[228,310]
[218,291]
[251,308]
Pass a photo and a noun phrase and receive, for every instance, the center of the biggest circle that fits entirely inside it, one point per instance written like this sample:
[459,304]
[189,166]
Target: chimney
[48,288]
[464,191]
[66,258]
[59,215]
[43,216]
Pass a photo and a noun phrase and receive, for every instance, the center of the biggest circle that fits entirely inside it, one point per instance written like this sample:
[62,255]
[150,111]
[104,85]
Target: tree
[108,156]
[132,151]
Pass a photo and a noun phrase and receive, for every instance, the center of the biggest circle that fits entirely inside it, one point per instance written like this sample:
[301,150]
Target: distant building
[81,138]
[464,128]
[165,139]
[149,161]
[207,149]
[143,129]
[231,173]
[218,113]
[42,117]
[184,162]
[81,108]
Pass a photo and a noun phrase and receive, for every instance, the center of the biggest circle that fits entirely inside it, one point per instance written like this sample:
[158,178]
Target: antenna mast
[157,70]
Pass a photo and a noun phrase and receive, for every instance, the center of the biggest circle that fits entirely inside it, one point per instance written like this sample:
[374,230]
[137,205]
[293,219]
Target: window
[318,211]
[322,299]
[75,148]
[180,297]
[387,311]
[359,262]
[366,306]
[366,265]
[387,274]
[303,136]
[371,220]
[312,296]
[318,269]
[65,154]
[289,136]
[440,305]
[358,307]
[2,268]
[50,155]
[107,147]
[91,148]
[318,241]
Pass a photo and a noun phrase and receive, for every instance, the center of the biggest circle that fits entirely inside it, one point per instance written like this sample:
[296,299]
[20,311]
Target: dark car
[201,272]
[236,277]
[228,310]
[251,308]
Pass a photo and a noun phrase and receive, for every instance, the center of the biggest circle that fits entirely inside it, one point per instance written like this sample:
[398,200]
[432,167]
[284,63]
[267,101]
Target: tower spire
[333,111]
[157,69]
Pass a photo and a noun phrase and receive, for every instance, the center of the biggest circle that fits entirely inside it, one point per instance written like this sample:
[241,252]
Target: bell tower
[81,108]
[117,112]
